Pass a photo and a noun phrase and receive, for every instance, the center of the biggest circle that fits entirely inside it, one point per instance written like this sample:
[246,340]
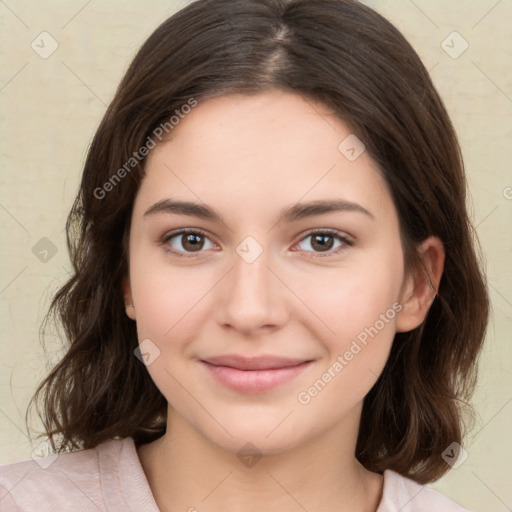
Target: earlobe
[128,299]
[421,288]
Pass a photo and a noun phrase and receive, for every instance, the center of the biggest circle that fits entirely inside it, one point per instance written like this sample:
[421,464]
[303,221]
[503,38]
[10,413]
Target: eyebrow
[291,214]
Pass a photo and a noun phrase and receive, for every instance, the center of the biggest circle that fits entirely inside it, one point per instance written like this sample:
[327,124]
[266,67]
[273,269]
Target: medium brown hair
[348,57]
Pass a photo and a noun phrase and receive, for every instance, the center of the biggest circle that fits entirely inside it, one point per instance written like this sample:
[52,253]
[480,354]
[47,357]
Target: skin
[248,157]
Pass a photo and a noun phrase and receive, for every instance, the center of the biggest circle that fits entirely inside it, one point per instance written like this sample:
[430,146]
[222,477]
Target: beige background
[50,109]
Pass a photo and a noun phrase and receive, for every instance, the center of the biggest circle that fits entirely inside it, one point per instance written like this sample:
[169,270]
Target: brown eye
[325,242]
[322,242]
[192,242]
[187,242]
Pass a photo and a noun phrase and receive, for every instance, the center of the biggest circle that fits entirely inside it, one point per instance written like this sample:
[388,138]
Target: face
[270,319]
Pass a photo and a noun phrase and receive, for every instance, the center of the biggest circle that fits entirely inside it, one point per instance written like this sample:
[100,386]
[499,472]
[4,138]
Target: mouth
[253,375]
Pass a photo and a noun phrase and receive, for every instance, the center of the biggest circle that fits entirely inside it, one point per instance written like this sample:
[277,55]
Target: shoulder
[405,495]
[68,481]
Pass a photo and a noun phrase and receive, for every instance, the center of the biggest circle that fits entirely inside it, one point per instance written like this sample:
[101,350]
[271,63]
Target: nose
[252,298]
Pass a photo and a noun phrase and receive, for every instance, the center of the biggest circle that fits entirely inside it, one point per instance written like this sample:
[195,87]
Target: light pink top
[110,478]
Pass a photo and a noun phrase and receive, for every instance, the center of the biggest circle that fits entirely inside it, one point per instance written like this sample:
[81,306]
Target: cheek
[355,315]
[341,303]
[167,301]
[346,302]
[170,310]
[356,353]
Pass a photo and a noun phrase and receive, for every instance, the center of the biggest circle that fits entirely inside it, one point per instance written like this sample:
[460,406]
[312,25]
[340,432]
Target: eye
[324,242]
[186,242]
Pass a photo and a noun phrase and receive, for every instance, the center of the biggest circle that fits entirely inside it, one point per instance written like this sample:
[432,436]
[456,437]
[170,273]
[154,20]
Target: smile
[254,375]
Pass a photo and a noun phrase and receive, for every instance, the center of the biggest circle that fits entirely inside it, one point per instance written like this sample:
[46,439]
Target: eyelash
[331,232]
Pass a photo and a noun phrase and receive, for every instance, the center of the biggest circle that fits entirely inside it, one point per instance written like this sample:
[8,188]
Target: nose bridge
[253,297]
[251,276]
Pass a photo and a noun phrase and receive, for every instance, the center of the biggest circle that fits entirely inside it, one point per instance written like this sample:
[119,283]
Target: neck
[186,471]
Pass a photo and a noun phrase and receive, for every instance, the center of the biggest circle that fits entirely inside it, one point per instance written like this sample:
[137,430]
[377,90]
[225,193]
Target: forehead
[270,149]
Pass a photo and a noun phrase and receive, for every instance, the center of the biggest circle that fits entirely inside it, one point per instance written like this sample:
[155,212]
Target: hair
[351,59]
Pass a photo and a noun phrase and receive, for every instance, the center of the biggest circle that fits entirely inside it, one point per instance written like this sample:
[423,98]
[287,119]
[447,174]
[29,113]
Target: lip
[253,375]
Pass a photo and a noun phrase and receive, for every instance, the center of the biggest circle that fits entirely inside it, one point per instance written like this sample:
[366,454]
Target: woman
[276,300]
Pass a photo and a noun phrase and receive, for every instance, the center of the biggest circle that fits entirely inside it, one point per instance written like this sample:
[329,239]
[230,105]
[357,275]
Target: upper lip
[254,363]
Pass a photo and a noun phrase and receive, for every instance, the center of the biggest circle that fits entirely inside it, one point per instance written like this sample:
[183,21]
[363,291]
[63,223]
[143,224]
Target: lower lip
[254,381]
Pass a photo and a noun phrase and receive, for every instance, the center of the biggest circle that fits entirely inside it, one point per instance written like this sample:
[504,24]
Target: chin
[262,437]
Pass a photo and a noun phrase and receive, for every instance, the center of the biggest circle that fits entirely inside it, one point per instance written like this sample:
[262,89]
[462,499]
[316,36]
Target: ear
[128,299]
[420,288]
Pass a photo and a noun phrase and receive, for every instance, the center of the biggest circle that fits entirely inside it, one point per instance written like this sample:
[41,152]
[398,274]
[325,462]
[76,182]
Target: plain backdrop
[52,104]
